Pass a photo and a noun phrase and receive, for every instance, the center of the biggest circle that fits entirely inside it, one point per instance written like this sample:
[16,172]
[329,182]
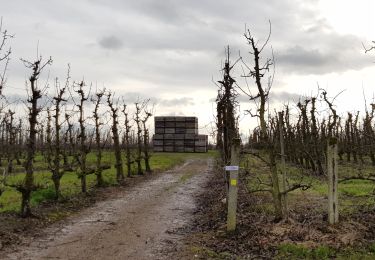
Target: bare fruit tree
[258,70]
[116,138]
[98,140]
[5,52]
[137,118]
[226,106]
[34,109]
[146,138]
[128,155]
[55,148]
[84,148]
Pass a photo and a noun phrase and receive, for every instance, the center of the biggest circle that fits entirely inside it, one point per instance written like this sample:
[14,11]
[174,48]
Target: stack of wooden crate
[178,134]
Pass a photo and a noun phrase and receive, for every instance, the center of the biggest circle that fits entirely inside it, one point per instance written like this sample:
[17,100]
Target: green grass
[360,189]
[353,194]
[10,200]
[206,253]
[294,251]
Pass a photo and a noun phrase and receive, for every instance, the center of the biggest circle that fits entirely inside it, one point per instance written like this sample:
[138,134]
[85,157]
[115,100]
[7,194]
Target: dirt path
[140,224]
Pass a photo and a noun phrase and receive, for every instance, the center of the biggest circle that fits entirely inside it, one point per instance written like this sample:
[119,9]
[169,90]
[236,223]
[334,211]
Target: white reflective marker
[231,168]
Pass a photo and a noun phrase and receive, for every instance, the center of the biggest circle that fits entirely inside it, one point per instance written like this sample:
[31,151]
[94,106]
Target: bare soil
[149,220]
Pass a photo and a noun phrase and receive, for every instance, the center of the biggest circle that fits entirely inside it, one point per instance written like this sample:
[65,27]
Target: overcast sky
[170,50]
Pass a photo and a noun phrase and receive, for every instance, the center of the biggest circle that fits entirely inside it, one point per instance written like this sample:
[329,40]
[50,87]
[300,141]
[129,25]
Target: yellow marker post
[233,187]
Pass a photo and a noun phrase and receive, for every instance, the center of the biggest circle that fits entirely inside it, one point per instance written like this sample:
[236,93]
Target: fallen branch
[296,187]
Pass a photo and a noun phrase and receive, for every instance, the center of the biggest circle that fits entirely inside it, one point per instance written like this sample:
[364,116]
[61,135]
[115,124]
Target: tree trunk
[83,184]
[25,204]
[56,182]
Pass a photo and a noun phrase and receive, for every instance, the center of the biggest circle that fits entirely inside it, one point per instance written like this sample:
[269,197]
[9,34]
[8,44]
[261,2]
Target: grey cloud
[175,113]
[185,101]
[111,42]
[274,97]
[283,97]
[167,10]
[299,56]
[176,45]
[130,97]
[305,60]
[321,50]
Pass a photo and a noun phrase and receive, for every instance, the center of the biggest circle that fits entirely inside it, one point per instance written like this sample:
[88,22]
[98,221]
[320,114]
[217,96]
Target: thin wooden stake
[233,186]
[283,167]
[333,211]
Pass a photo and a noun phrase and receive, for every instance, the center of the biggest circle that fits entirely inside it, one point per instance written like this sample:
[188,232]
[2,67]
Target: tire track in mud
[141,224]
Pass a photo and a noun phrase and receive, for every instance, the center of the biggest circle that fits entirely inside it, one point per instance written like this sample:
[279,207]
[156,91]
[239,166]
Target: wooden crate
[169,118]
[168,142]
[169,130]
[192,131]
[159,124]
[179,149]
[159,119]
[180,130]
[200,149]
[189,142]
[168,149]
[189,149]
[190,136]
[180,124]
[158,142]
[170,124]
[179,142]
[200,143]
[158,149]
[169,136]
[180,119]
[158,137]
[202,137]
[191,125]
[178,136]
[191,119]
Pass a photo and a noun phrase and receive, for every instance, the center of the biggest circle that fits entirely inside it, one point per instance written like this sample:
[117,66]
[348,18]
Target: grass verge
[10,200]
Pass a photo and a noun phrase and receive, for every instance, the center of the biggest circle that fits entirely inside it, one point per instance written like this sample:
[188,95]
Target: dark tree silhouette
[116,138]
[34,109]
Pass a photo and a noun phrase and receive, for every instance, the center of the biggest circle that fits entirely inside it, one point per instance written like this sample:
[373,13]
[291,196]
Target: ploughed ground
[144,221]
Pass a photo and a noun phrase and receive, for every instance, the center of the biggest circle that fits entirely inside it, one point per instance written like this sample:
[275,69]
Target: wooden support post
[233,185]
[283,166]
[333,210]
